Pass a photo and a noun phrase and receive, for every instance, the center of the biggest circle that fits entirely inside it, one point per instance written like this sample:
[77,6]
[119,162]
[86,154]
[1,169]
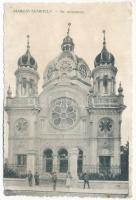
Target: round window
[21,125]
[63,112]
[83,71]
[105,125]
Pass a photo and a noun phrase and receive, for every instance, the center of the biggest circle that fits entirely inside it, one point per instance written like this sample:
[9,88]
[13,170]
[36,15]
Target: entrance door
[104,164]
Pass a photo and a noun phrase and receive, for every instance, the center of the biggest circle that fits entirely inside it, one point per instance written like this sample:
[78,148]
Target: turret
[104,72]
[26,75]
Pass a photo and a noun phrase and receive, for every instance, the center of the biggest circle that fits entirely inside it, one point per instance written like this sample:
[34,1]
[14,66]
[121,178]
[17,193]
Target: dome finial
[120,89]
[67,44]
[28,46]
[69,24]
[104,40]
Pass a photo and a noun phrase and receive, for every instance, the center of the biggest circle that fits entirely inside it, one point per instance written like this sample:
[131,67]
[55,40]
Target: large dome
[67,63]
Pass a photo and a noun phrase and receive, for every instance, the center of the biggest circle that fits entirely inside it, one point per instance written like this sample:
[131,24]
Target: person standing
[86,180]
[68,180]
[54,180]
[36,177]
[30,178]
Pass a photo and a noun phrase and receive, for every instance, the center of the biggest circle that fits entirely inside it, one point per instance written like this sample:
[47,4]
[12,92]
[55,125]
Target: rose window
[64,112]
[105,125]
[21,125]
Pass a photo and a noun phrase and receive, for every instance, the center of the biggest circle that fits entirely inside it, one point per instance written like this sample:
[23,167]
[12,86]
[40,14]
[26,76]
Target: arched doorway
[63,160]
[80,162]
[48,160]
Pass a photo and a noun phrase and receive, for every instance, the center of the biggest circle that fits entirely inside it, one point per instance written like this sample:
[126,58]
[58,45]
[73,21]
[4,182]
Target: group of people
[54,179]
[30,178]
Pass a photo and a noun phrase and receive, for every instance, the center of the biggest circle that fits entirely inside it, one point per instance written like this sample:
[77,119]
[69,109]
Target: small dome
[105,57]
[67,44]
[27,59]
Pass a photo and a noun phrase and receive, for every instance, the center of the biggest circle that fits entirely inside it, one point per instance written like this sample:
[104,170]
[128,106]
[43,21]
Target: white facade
[72,125]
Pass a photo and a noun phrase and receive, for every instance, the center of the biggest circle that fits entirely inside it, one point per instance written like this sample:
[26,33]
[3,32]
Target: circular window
[105,125]
[83,71]
[21,125]
[63,112]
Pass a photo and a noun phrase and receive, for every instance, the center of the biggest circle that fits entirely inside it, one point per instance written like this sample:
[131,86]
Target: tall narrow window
[98,85]
[80,162]
[105,84]
[24,86]
[31,86]
[48,158]
[63,161]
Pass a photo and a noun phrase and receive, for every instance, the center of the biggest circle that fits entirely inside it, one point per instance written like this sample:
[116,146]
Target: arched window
[31,86]
[98,85]
[105,84]
[80,162]
[48,160]
[63,160]
[24,86]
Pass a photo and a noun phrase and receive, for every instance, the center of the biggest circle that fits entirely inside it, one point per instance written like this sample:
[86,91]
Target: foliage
[106,177]
[125,161]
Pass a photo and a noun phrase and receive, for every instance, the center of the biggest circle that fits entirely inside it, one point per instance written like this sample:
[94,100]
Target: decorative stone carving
[65,65]
[50,72]
[83,71]
[21,125]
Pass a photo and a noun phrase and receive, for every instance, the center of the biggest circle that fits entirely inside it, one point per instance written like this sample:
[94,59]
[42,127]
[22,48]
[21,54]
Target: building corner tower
[22,110]
[105,108]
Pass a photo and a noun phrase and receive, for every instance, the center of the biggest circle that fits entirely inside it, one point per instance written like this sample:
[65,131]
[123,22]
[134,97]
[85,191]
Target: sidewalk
[35,190]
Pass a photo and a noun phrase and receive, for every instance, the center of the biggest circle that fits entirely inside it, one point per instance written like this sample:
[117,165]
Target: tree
[125,161]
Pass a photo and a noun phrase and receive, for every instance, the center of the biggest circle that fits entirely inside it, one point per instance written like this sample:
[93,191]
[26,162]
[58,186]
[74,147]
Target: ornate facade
[74,124]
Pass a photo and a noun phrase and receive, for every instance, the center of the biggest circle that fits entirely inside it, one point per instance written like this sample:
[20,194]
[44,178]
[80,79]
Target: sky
[47,26]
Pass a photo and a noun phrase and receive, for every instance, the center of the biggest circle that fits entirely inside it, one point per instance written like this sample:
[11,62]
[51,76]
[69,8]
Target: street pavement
[47,190]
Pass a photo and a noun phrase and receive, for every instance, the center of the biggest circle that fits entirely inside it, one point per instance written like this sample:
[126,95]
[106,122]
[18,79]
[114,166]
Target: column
[110,90]
[31,162]
[40,164]
[93,156]
[116,158]
[73,163]
[55,163]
